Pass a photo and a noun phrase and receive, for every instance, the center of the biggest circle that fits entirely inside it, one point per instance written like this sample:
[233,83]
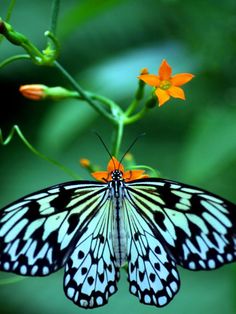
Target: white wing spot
[147,299]
[71,292]
[174,186]
[36,196]
[174,286]
[188,190]
[133,289]
[162,300]
[34,270]
[45,270]
[17,205]
[15,265]
[202,264]
[23,270]
[192,265]
[212,198]
[99,300]
[229,257]
[112,289]
[220,258]
[169,292]
[6,266]
[67,279]
[211,263]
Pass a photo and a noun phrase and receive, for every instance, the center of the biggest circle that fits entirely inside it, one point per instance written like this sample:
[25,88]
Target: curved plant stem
[136,117]
[134,104]
[16,129]
[82,93]
[12,59]
[10,9]
[54,16]
[117,139]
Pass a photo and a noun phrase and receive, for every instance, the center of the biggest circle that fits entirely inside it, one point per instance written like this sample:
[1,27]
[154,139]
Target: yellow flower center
[165,84]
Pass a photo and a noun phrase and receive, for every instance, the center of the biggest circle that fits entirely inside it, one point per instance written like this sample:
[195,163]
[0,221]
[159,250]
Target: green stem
[136,117]
[54,16]
[104,100]
[118,138]
[16,129]
[10,10]
[12,59]
[132,107]
[82,93]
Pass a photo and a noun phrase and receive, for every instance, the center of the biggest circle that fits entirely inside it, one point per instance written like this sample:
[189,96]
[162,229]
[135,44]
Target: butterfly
[92,229]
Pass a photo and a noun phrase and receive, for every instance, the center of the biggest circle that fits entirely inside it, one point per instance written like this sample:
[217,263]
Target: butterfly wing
[197,228]
[91,273]
[39,232]
[152,272]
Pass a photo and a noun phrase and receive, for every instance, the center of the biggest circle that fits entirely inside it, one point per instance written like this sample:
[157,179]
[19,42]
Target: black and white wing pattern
[39,232]
[196,229]
[91,273]
[152,272]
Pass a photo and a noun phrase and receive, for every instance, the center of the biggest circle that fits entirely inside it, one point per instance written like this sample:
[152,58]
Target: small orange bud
[144,71]
[33,91]
[85,163]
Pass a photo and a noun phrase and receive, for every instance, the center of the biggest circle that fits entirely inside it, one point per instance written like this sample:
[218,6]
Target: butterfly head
[116,175]
[116,172]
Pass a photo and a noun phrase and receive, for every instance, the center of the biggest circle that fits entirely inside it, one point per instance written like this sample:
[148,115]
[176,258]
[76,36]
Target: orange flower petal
[101,175]
[176,92]
[162,96]
[114,164]
[165,71]
[134,175]
[150,79]
[181,79]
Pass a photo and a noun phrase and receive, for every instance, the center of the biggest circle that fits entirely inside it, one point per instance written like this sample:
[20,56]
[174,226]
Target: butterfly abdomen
[119,238]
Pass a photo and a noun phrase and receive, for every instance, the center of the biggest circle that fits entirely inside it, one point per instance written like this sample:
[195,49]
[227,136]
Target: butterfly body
[93,228]
[119,231]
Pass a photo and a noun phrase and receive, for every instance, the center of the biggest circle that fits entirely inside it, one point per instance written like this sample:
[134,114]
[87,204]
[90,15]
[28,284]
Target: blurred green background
[104,44]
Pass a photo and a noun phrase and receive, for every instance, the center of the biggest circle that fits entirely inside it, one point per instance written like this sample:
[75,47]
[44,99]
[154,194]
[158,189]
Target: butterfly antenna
[105,146]
[129,148]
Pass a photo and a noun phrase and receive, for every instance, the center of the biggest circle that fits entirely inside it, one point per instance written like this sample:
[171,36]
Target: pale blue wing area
[39,231]
[196,227]
[152,272]
[91,273]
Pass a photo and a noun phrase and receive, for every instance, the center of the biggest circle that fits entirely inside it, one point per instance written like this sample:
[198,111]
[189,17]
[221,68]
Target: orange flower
[165,84]
[115,165]
[33,91]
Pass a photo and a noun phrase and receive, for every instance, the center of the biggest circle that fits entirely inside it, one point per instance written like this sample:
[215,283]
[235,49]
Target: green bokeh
[104,44]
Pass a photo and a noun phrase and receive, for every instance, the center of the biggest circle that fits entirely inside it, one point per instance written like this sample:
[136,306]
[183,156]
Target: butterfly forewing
[39,231]
[198,228]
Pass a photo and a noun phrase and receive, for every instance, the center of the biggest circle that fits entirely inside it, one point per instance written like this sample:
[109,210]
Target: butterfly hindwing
[152,273]
[39,231]
[91,273]
[197,227]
